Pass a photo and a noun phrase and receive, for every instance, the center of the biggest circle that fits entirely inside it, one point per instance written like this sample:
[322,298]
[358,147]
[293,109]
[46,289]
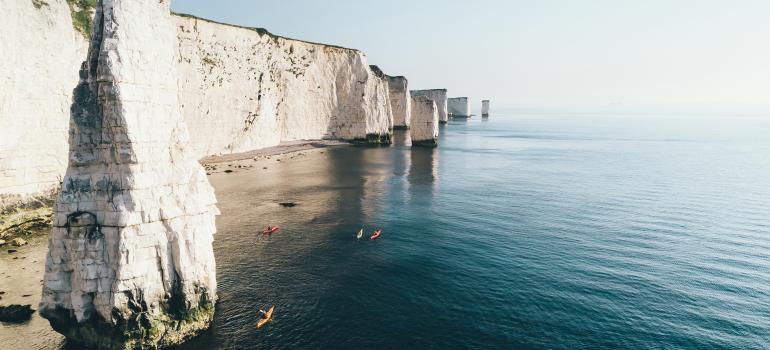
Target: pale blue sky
[699,55]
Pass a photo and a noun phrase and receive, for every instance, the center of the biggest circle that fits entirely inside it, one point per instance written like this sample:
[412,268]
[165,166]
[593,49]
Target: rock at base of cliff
[425,143]
[139,331]
[16,313]
[374,139]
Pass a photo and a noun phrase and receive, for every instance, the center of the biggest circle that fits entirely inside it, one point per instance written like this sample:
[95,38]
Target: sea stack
[130,262]
[459,107]
[485,108]
[440,97]
[384,82]
[425,120]
[400,101]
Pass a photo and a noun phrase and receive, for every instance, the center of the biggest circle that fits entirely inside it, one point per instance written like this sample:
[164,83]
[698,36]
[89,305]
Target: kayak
[360,234]
[376,235]
[270,230]
[267,317]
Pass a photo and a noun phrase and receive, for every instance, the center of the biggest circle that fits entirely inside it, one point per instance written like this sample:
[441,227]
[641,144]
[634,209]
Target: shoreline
[282,149]
[229,163]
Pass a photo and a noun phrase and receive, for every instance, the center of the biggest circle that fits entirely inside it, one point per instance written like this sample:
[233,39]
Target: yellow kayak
[360,233]
[268,317]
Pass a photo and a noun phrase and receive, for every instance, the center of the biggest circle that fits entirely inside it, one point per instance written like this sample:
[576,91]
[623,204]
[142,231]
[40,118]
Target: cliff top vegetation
[82,12]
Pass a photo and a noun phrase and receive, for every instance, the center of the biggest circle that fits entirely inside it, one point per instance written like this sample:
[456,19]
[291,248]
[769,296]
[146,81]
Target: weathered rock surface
[440,97]
[241,89]
[40,51]
[400,101]
[244,88]
[425,121]
[130,262]
[16,313]
[459,107]
[485,108]
[18,242]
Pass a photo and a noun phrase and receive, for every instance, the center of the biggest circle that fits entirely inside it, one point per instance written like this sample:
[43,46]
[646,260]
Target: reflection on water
[424,169]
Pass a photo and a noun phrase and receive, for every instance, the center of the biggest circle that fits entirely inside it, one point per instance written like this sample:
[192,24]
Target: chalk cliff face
[130,262]
[244,88]
[425,120]
[459,107]
[400,101]
[440,97]
[239,89]
[41,52]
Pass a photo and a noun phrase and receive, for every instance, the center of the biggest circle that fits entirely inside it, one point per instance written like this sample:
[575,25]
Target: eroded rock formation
[459,107]
[485,108]
[400,101]
[130,262]
[425,121]
[440,97]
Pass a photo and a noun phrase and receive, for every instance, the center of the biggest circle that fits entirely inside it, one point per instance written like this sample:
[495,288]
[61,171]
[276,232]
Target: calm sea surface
[517,232]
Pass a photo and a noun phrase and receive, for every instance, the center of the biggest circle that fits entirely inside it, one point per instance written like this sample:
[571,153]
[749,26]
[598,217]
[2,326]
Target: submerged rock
[16,313]
[288,204]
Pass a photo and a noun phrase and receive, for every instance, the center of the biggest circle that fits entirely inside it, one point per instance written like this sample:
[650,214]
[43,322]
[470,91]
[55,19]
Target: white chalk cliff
[40,53]
[244,88]
[130,262]
[240,89]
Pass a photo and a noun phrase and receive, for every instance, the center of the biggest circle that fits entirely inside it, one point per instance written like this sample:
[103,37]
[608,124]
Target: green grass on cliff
[82,15]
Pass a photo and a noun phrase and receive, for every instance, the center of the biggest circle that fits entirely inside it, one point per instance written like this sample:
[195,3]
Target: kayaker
[262,314]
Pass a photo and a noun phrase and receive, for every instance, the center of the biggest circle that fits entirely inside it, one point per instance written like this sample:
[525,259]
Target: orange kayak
[270,230]
[376,235]
[268,317]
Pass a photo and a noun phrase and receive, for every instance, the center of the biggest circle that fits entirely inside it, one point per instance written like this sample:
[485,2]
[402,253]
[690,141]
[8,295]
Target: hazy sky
[655,54]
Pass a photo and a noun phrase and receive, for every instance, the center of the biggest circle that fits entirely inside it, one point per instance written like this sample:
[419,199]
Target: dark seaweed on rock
[16,313]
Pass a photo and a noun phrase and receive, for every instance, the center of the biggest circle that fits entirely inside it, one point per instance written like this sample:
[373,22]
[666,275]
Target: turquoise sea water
[541,231]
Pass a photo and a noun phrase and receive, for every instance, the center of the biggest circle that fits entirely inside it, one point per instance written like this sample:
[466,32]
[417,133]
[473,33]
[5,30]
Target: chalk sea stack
[130,262]
[400,101]
[425,121]
[440,97]
[459,107]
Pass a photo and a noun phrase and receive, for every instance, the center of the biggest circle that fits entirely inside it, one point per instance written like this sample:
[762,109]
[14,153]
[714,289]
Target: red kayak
[271,229]
[375,235]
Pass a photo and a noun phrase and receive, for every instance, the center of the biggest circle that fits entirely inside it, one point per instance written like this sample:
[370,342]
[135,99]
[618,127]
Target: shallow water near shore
[541,231]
